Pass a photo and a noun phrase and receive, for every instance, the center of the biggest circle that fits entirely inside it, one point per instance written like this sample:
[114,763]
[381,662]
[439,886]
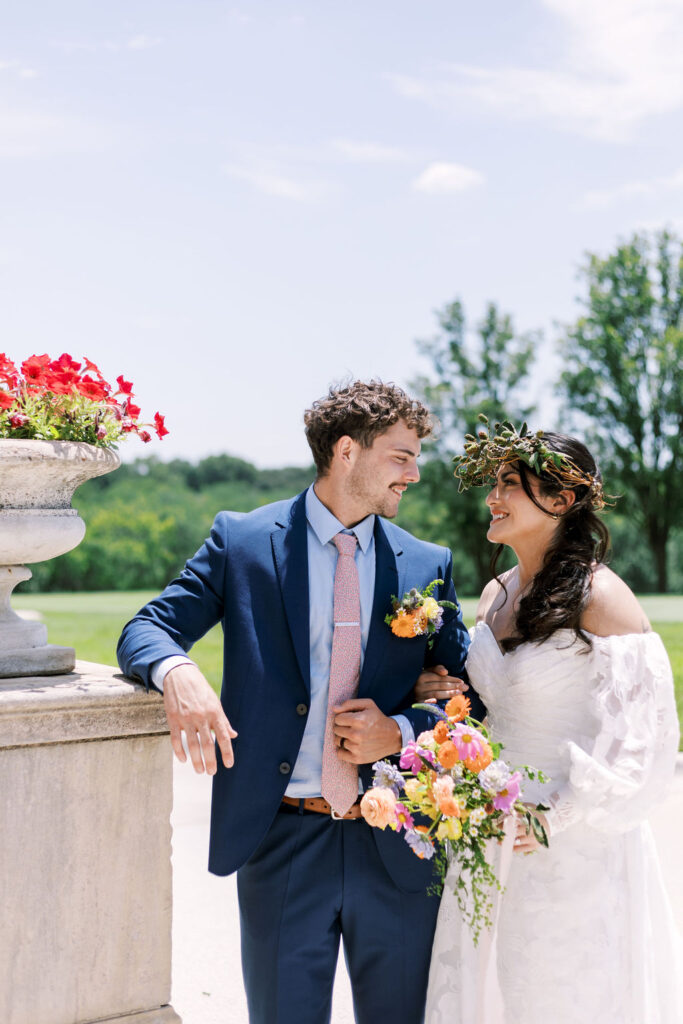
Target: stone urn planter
[37,522]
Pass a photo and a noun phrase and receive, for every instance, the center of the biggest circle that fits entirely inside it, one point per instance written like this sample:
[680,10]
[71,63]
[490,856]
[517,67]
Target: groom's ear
[344,451]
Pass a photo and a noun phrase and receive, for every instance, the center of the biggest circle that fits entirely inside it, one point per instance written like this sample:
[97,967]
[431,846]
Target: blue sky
[236,204]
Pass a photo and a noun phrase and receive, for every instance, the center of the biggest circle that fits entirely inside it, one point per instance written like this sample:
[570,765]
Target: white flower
[425,738]
[494,777]
[477,794]
[477,815]
[474,832]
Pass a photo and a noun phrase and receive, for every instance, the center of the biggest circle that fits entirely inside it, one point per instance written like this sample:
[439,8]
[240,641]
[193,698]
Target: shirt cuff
[407,731]
[160,669]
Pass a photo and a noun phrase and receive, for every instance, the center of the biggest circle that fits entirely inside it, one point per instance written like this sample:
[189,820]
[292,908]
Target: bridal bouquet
[453,781]
[65,400]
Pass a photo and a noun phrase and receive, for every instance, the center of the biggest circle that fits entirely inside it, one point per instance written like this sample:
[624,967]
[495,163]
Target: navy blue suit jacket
[251,575]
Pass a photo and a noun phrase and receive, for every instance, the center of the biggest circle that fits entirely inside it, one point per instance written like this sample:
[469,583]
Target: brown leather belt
[321,806]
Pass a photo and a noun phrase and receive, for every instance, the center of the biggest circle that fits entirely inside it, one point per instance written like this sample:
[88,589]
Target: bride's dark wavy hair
[560,590]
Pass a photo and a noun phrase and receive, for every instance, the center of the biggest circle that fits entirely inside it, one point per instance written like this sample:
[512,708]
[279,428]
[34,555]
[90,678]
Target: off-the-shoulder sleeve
[617,775]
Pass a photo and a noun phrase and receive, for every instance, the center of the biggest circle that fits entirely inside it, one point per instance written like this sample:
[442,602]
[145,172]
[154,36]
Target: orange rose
[448,755]
[458,708]
[440,732]
[378,807]
[448,805]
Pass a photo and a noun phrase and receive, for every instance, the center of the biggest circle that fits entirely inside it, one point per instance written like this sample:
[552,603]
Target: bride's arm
[618,772]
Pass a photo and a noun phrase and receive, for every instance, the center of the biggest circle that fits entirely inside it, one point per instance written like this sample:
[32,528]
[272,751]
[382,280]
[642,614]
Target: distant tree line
[620,387]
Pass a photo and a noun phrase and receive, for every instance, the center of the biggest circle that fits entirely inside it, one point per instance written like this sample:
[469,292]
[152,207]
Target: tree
[481,371]
[624,372]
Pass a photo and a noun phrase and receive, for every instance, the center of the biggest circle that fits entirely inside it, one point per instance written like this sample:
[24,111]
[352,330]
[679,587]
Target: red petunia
[145,436]
[125,386]
[8,371]
[65,363]
[132,410]
[159,425]
[6,401]
[34,368]
[90,388]
[91,367]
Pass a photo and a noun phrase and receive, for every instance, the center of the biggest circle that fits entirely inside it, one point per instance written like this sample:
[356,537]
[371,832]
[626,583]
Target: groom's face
[381,473]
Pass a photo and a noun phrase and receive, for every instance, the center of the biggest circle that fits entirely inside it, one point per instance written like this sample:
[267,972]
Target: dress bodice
[579,714]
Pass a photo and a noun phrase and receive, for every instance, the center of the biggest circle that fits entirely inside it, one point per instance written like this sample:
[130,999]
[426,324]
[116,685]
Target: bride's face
[515,518]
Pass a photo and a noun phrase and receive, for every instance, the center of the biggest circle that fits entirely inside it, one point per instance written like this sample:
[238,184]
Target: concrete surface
[207,982]
[85,802]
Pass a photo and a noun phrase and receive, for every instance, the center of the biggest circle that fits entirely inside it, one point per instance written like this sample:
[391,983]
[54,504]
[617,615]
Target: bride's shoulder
[493,593]
[612,608]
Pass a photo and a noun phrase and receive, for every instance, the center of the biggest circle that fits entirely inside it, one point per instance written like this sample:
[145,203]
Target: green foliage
[485,371]
[623,381]
[146,519]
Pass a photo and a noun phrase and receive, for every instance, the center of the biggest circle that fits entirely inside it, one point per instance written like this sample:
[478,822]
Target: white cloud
[369,152]
[441,178]
[622,65]
[274,183]
[598,199]
[143,42]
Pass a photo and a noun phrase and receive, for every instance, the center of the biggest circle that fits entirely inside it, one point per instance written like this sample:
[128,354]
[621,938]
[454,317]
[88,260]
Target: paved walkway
[207,981]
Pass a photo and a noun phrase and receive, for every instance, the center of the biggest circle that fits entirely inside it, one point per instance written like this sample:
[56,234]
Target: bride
[576,684]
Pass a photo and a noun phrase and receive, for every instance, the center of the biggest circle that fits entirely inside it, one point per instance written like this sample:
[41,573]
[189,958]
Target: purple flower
[387,776]
[419,844]
[403,818]
[413,757]
[504,800]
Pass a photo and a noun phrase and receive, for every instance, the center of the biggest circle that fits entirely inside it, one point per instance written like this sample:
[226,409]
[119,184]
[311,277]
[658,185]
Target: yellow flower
[412,788]
[449,828]
[430,608]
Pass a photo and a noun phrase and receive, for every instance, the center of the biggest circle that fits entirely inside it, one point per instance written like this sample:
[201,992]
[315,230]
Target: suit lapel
[389,579]
[290,553]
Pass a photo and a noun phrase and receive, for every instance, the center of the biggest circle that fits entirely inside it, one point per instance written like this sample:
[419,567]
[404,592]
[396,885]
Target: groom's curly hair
[362,410]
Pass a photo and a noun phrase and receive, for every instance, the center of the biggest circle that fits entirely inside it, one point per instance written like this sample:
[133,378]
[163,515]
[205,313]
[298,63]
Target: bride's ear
[563,501]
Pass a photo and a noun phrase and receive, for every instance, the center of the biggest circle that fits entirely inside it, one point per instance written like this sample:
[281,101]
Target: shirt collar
[326,526]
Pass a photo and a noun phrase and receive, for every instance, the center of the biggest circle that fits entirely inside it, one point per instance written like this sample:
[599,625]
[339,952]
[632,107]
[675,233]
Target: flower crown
[485,453]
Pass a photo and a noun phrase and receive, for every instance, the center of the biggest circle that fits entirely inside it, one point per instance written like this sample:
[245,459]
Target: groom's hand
[363,734]
[193,708]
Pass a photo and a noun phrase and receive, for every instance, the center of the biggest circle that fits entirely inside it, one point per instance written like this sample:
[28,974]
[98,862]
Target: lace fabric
[584,928]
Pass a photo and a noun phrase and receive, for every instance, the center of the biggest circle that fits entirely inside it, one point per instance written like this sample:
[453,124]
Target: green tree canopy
[623,380]
[483,370]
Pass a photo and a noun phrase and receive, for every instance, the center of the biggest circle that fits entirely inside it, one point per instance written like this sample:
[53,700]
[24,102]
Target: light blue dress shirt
[322,526]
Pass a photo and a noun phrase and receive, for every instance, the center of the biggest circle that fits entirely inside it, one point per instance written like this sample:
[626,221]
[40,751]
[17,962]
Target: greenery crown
[487,452]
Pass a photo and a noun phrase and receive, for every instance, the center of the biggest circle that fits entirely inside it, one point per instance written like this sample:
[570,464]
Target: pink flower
[412,758]
[468,742]
[504,800]
[403,818]
[442,787]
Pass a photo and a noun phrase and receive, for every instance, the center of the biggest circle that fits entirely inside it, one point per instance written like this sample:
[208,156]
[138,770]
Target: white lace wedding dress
[584,931]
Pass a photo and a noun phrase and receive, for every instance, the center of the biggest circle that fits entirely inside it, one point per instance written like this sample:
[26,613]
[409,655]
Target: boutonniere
[417,613]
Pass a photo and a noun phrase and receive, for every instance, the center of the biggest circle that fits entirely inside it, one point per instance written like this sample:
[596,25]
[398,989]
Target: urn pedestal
[37,522]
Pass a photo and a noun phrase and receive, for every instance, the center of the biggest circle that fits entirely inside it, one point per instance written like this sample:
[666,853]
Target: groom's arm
[189,606]
[166,628]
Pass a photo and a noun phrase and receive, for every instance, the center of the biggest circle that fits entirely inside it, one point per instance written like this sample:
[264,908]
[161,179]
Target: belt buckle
[335,816]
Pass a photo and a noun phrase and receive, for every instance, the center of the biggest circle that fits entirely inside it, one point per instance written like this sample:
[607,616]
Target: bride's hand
[435,684]
[528,843]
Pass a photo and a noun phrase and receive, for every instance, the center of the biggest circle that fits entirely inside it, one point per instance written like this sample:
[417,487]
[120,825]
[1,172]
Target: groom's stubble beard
[373,497]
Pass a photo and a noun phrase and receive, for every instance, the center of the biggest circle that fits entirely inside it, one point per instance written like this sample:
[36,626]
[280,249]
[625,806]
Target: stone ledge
[162,1015]
[92,702]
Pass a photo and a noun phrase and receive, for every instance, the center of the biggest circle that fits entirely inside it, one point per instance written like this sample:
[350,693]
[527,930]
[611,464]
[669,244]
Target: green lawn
[92,622]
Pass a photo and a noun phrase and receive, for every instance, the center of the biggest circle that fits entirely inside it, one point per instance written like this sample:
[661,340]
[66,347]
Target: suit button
[302,709]
[285,768]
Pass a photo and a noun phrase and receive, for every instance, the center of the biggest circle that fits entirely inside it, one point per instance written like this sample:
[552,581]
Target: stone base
[49,660]
[164,1015]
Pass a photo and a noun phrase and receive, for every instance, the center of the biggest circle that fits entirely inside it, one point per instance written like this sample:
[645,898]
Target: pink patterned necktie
[339,783]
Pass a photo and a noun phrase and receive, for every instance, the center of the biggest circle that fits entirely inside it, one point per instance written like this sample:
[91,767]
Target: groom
[315,689]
